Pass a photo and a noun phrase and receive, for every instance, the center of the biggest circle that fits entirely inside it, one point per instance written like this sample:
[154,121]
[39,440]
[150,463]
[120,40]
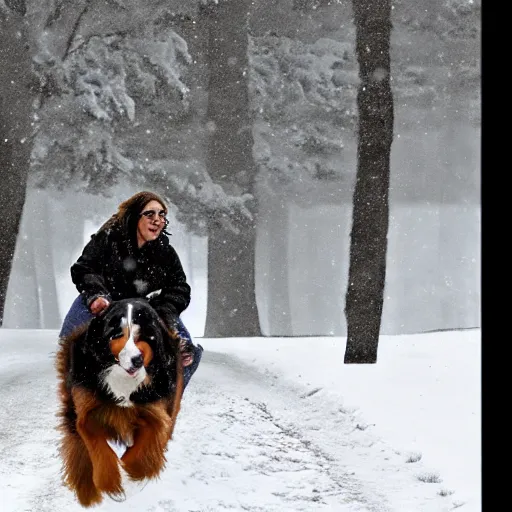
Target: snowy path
[243,442]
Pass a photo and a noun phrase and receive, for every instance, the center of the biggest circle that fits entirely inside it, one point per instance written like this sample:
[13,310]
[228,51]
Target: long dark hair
[128,214]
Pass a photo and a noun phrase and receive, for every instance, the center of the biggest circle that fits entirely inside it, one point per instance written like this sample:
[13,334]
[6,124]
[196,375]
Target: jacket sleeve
[86,273]
[175,295]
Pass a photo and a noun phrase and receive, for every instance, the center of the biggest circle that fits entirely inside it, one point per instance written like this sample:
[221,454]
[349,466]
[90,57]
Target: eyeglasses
[151,214]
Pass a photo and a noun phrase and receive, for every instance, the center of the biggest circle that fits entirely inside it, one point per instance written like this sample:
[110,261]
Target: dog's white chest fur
[120,379]
[121,384]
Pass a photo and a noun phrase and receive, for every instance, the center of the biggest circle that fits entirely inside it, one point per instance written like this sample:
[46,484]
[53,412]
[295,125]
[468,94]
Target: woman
[130,256]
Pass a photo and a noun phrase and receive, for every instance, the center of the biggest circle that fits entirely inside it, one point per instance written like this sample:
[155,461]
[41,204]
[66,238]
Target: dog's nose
[137,361]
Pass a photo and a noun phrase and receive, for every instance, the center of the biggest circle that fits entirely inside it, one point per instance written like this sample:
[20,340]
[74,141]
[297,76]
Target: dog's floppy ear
[95,328]
[167,340]
[153,295]
[163,309]
[79,343]
[95,333]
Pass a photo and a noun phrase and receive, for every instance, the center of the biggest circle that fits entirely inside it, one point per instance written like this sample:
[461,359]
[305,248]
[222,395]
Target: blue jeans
[79,314]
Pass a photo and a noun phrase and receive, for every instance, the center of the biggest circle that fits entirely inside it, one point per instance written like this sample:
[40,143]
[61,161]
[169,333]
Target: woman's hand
[187,356]
[99,305]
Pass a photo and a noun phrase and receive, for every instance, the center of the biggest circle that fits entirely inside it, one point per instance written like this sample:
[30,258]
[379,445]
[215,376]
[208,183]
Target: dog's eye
[115,334]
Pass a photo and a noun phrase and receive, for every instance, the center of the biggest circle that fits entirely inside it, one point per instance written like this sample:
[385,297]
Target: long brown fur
[90,466]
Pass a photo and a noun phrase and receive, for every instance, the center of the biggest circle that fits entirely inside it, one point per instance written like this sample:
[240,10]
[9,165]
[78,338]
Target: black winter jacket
[112,266]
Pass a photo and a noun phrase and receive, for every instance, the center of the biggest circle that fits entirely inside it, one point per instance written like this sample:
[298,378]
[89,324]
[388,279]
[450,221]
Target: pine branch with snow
[304,105]
[88,99]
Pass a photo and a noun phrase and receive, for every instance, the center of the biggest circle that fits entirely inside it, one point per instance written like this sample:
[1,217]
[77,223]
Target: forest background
[108,98]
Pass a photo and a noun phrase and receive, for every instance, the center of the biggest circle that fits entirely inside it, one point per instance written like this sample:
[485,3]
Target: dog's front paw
[140,468]
[107,478]
[88,495]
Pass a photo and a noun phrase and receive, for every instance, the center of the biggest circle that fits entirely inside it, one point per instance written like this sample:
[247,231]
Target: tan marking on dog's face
[147,351]
[123,348]
[117,344]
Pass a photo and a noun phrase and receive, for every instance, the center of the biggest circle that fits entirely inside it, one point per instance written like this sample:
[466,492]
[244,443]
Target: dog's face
[127,340]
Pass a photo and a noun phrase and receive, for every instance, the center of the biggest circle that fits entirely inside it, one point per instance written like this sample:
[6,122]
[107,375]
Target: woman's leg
[197,351]
[78,315]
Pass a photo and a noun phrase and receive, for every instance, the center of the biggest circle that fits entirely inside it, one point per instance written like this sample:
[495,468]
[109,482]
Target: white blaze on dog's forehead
[128,323]
[130,350]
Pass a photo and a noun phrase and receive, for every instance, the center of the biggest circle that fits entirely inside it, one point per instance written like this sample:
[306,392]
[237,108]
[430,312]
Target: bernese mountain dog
[120,381]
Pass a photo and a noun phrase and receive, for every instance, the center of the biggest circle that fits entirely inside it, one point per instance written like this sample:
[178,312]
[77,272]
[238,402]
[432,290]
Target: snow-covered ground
[276,424]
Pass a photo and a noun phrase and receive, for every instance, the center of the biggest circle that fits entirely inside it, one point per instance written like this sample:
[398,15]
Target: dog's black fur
[91,353]
[91,414]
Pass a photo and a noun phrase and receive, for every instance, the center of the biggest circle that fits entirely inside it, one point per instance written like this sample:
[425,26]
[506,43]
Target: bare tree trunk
[367,271]
[231,309]
[15,131]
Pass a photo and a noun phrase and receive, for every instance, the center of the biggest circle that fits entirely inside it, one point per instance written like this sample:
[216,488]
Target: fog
[111,126]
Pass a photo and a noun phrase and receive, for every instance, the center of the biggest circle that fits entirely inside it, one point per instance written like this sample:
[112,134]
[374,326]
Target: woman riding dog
[130,256]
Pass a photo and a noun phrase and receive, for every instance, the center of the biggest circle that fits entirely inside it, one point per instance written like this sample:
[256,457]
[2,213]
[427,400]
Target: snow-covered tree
[123,98]
[302,90]
[16,101]
[231,309]
[443,64]
[115,106]
[96,92]
[303,101]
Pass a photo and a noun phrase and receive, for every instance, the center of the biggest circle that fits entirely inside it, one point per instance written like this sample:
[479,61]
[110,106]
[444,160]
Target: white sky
[253,435]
